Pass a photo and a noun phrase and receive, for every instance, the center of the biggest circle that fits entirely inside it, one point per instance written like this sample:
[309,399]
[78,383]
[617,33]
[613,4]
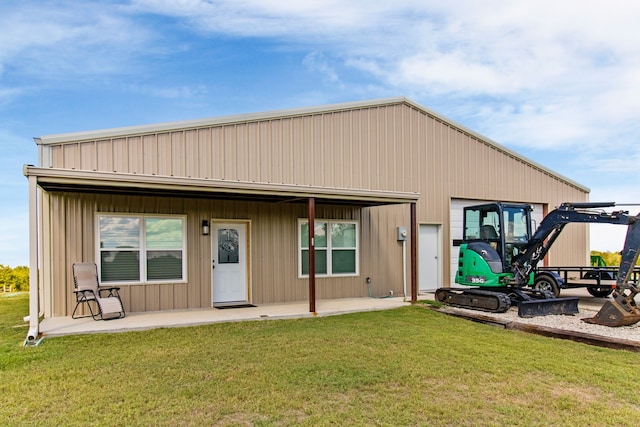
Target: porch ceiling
[52,179]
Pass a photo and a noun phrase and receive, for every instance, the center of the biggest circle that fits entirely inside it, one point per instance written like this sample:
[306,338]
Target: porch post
[312,255]
[34,304]
[414,254]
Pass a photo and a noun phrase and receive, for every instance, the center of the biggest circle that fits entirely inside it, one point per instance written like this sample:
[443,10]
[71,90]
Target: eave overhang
[72,180]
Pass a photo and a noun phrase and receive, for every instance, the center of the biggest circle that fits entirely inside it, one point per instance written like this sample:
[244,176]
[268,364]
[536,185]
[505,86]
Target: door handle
[213,264]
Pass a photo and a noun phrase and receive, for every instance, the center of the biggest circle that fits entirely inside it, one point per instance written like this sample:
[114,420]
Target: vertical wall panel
[59,260]
[302,148]
[104,155]
[253,147]
[204,153]
[120,155]
[136,299]
[88,156]
[164,154]
[136,154]
[177,154]
[150,155]
[71,155]
[57,156]
[152,297]
[191,145]
[242,152]
[229,153]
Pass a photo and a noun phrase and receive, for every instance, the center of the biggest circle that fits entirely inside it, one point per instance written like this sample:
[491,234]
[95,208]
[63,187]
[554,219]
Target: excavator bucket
[545,307]
[616,313]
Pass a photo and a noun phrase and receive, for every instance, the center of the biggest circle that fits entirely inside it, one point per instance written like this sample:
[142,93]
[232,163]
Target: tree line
[14,279]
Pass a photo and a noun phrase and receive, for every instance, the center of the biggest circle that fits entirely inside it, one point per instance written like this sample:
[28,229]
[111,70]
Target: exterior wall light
[205,227]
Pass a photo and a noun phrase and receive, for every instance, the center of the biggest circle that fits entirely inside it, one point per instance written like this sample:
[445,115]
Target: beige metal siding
[394,147]
[274,254]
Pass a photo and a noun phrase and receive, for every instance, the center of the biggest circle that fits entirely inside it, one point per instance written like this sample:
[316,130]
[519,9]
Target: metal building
[197,213]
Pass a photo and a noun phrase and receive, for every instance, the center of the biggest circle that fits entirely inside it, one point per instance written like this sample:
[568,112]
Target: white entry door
[230,262]
[429,259]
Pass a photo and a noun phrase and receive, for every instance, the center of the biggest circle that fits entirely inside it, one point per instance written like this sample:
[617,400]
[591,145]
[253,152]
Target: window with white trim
[336,248]
[141,248]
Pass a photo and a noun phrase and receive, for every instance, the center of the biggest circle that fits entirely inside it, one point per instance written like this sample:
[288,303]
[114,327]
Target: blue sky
[558,82]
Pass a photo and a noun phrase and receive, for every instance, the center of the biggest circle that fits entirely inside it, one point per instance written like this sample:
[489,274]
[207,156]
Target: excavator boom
[551,227]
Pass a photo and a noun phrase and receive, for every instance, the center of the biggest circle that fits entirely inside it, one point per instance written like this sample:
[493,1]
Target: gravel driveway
[588,307]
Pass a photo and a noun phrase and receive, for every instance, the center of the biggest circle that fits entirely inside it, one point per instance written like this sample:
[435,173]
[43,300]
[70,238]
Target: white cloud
[171,92]
[67,39]
[7,95]
[490,47]
[303,20]
[318,62]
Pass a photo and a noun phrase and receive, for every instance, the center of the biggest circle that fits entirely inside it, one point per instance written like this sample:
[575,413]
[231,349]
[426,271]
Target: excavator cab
[495,232]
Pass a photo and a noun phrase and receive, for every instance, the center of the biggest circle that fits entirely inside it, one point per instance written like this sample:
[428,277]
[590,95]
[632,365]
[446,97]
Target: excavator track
[474,299]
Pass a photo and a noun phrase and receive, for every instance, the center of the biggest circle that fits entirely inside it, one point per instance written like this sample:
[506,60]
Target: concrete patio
[59,326]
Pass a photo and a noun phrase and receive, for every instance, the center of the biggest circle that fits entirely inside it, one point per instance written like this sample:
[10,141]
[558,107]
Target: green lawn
[408,366]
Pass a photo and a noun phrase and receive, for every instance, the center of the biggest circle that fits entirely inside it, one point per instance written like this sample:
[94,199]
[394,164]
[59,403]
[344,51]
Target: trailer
[599,281]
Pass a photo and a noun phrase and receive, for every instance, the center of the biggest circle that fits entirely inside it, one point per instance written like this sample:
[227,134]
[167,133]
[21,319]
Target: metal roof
[53,179]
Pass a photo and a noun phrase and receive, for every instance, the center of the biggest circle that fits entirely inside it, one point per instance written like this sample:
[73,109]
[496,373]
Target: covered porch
[140,321]
[44,180]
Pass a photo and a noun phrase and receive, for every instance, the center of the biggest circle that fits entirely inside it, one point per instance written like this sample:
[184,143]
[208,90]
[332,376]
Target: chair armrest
[112,291]
[84,293]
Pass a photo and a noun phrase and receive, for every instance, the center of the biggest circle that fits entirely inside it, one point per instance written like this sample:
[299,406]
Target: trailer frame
[600,281]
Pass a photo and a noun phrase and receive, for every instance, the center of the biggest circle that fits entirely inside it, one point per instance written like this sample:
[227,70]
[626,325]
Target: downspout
[34,307]
[404,269]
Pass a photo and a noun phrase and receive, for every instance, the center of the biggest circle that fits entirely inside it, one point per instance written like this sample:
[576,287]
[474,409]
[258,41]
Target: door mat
[222,307]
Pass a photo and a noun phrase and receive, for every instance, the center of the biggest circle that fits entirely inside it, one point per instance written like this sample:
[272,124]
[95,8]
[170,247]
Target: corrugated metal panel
[59,260]
[103,155]
[163,154]
[120,154]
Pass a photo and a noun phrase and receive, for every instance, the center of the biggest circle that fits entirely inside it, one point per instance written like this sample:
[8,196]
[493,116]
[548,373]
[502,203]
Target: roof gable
[141,130]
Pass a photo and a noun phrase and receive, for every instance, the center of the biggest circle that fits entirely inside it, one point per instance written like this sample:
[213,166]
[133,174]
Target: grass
[408,366]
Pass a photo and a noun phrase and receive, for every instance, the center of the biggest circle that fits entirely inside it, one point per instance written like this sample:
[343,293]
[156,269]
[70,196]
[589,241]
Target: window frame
[329,249]
[142,248]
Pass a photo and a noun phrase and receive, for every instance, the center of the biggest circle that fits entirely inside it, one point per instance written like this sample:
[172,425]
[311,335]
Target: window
[142,248]
[336,248]
[481,223]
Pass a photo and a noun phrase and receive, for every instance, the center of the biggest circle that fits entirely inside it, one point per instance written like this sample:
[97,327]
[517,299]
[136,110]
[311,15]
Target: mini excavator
[499,256]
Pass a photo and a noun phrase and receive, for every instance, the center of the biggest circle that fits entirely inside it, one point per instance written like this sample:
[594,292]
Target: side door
[429,257]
